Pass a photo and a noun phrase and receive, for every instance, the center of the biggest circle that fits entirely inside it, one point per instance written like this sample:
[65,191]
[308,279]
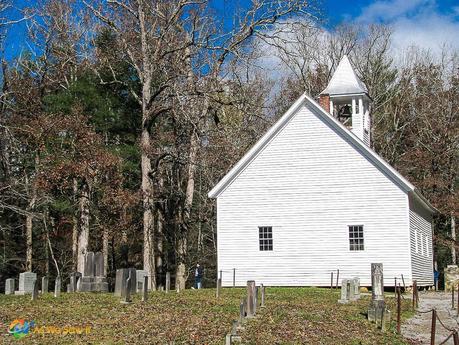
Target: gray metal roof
[344,80]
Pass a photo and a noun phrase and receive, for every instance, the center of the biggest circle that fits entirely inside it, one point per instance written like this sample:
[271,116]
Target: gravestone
[355,294]
[72,286]
[219,286]
[57,287]
[345,291]
[9,286]
[255,300]
[35,290]
[385,322]
[26,280]
[121,275]
[377,306]
[99,264]
[126,290]
[88,265]
[78,283]
[262,305]
[168,281]
[145,288]
[251,287]
[44,285]
[140,274]
[451,277]
[93,279]
[242,310]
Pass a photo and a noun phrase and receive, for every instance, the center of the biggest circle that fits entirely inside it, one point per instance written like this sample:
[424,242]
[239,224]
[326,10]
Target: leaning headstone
[145,288]
[345,291]
[9,286]
[251,287]
[44,285]
[168,281]
[26,281]
[140,274]
[35,290]
[57,287]
[377,305]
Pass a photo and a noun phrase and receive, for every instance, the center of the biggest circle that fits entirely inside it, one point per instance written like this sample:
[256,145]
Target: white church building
[311,197]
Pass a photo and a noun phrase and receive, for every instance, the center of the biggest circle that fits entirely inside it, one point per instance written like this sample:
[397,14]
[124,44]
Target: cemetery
[256,314]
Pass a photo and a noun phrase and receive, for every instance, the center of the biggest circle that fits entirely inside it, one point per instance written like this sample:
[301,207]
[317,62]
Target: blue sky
[427,23]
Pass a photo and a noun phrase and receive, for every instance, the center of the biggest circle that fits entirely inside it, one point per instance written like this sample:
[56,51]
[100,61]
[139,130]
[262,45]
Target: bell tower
[346,98]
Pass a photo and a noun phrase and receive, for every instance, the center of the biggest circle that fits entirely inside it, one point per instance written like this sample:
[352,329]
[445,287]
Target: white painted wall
[421,234]
[310,184]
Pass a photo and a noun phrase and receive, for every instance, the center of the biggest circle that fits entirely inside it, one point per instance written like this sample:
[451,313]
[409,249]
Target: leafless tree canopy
[123,114]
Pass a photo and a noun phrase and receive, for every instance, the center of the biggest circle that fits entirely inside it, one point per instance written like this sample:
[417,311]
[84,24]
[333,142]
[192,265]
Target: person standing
[198,273]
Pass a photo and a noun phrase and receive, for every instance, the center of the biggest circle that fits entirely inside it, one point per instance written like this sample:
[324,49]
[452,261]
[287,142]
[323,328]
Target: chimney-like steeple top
[344,81]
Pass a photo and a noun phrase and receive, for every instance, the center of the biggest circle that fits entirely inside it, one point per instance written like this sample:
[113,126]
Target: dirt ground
[417,329]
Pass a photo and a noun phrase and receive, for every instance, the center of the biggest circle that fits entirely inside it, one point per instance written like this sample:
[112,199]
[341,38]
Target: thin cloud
[383,11]
[415,23]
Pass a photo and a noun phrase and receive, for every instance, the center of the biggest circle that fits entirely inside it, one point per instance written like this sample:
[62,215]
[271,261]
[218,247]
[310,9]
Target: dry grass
[292,316]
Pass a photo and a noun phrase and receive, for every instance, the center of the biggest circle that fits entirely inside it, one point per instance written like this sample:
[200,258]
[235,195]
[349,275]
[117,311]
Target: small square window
[265,235]
[356,237]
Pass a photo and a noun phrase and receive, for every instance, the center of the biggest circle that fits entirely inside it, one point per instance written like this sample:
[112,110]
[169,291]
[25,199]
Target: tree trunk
[453,236]
[105,249]
[148,219]
[75,229]
[83,236]
[145,148]
[29,220]
[29,234]
[182,249]
[159,241]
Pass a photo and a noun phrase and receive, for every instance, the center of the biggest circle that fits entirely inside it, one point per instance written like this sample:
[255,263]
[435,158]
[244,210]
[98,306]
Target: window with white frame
[423,244]
[427,246]
[265,236]
[416,244]
[356,237]
[419,242]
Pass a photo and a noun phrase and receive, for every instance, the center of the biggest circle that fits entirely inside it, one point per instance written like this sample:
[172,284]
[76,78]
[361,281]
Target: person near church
[198,273]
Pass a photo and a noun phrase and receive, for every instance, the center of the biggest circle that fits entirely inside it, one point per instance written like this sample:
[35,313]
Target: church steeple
[346,98]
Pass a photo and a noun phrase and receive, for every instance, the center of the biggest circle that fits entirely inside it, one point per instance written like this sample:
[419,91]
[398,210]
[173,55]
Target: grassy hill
[291,316]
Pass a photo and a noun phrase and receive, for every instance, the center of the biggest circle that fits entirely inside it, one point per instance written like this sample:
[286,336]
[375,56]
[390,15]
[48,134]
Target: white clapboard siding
[421,252]
[309,184]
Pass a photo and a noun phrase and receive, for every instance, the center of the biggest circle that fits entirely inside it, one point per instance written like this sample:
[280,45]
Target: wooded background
[122,115]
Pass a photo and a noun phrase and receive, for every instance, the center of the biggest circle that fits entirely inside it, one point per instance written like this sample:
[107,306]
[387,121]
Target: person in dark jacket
[198,273]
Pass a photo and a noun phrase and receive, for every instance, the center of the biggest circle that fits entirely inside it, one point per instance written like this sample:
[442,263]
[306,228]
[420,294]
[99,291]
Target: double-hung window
[356,237]
[265,236]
